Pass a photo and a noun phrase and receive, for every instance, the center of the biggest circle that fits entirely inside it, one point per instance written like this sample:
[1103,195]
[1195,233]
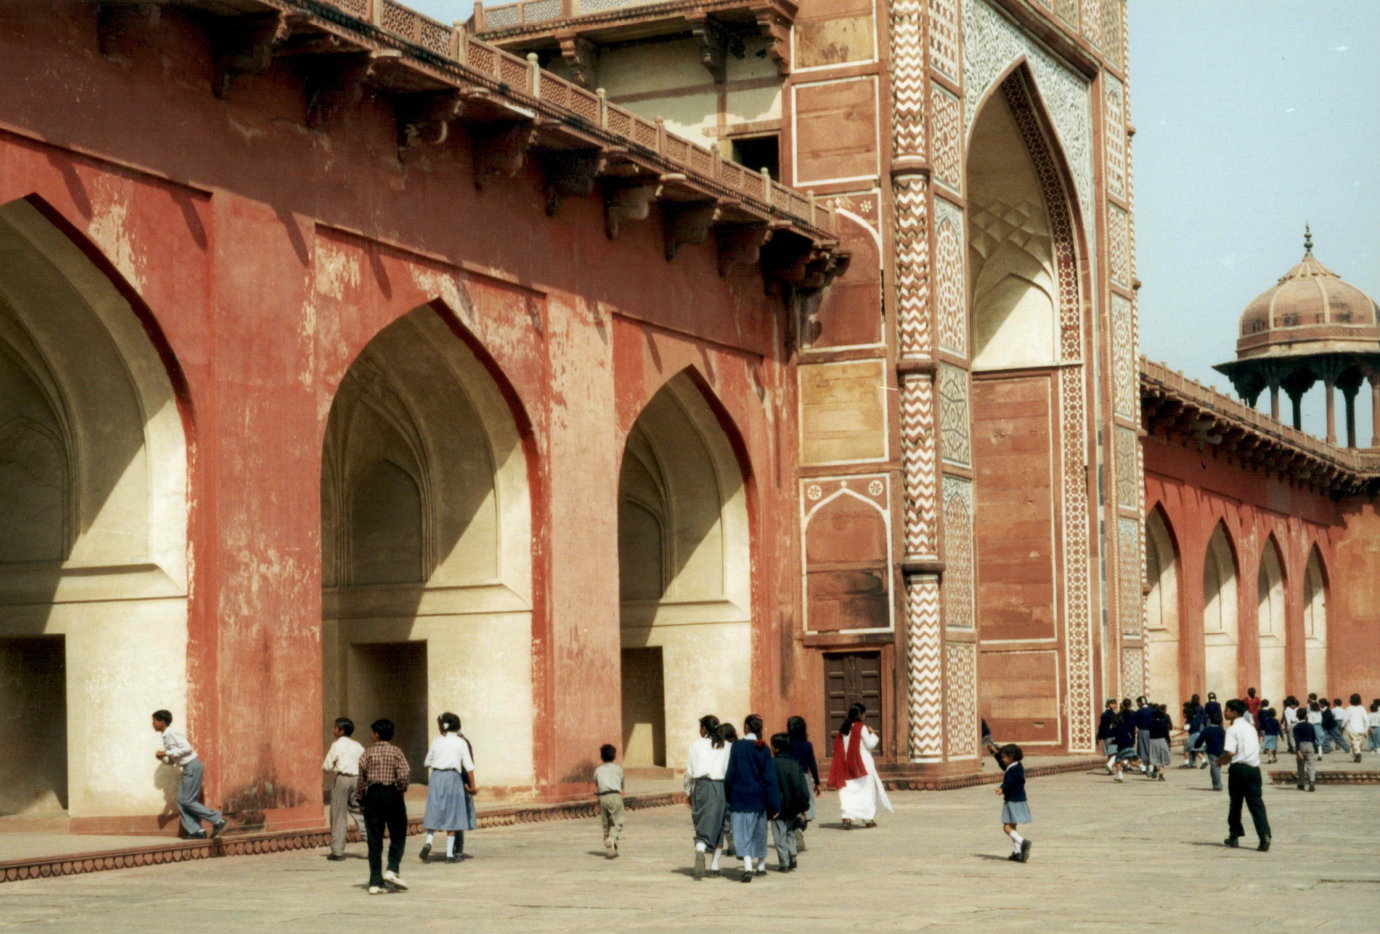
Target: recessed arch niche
[685,582]
[1220,619]
[1270,616]
[1315,601]
[426,546]
[1162,634]
[93,526]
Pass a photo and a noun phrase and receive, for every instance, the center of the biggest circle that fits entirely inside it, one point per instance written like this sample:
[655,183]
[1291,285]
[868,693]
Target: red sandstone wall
[1197,489]
[215,210]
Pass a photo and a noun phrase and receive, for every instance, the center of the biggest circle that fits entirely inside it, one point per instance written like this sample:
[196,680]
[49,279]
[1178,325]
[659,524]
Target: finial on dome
[1307,238]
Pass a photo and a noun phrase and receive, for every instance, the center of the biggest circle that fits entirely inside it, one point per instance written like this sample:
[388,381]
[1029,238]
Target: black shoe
[794,864]
[745,877]
[218,826]
[335,858]
[1264,846]
[425,852]
[1025,850]
[1300,786]
[199,835]
[1231,842]
[454,859]
[1310,787]
[783,868]
[1014,858]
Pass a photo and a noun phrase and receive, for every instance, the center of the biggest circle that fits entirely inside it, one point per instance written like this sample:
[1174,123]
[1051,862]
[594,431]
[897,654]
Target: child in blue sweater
[1015,809]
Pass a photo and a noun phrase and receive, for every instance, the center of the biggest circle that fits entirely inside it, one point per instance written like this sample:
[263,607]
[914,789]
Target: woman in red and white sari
[853,772]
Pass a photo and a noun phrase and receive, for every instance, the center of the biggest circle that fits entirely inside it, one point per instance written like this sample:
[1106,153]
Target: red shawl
[845,767]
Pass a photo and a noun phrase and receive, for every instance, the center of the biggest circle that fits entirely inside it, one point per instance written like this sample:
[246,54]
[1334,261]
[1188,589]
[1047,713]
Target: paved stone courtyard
[1148,853]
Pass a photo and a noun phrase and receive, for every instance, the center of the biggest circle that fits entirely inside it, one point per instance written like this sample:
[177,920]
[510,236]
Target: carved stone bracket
[336,82]
[804,266]
[425,119]
[630,203]
[714,42]
[114,20]
[686,222]
[777,30]
[570,173]
[739,246]
[581,57]
[500,150]
[244,46]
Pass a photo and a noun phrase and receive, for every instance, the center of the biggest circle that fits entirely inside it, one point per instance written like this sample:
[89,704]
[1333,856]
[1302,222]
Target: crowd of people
[739,787]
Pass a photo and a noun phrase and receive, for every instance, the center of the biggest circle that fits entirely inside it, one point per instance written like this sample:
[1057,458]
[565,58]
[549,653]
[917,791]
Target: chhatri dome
[1309,310]
[1309,327]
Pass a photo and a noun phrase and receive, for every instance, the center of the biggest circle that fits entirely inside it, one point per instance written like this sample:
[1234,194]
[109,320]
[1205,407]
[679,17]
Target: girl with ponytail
[704,792]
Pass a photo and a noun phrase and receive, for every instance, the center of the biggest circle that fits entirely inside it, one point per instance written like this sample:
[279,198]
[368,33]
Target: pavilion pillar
[1294,399]
[1349,396]
[1330,385]
[1274,400]
[1375,410]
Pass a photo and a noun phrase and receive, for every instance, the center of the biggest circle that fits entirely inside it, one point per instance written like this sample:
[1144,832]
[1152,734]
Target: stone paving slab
[1149,853]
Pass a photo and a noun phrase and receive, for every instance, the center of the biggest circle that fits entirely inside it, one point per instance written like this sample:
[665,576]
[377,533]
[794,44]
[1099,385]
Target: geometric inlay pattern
[958,553]
[991,43]
[953,415]
[912,266]
[1068,11]
[924,668]
[944,38]
[918,443]
[960,666]
[1092,21]
[1112,31]
[1119,245]
[946,114]
[1132,672]
[1130,605]
[907,78]
[951,287]
[1127,482]
[1126,398]
[1115,110]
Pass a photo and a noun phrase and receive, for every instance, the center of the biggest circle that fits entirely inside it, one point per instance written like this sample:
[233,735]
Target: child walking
[608,785]
[795,802]
[750,788]
[1015,809]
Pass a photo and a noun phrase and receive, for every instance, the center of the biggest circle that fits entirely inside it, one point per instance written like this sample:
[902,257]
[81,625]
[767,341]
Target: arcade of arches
[411,438]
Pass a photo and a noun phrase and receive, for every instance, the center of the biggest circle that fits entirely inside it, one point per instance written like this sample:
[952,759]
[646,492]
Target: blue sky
[1252,117]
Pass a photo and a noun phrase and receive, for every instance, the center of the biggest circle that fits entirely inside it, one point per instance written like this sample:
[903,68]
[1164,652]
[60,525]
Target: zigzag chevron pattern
[925,667]
[912,266]
[917,462]
[908,78]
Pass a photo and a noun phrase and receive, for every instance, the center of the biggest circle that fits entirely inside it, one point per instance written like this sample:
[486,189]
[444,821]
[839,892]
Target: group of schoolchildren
[1139,737]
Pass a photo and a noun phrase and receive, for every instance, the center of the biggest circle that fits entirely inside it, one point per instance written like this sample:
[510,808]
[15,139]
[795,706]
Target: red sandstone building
[351,364]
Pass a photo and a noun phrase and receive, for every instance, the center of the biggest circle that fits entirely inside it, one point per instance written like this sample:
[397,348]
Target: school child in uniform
[803,752]
[795,801]
[1270,733]
[608,785]
[752,795]
[1015,809]
[1212,741]
[1159,729]
[1124,737]
[1306,753]
[730,735]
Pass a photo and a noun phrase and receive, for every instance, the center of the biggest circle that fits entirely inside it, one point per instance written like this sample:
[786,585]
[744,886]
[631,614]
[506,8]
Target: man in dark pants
[1242,751]
[383,777]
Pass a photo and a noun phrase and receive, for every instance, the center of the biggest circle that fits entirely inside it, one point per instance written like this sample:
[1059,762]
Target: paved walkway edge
[949,783]
[247,844]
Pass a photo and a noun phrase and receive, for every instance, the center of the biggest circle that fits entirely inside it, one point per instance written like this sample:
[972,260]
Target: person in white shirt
[449,796]
[177,751]
[342,767]
[1242,752]
[1356,725]
[1373,718]
[704,792]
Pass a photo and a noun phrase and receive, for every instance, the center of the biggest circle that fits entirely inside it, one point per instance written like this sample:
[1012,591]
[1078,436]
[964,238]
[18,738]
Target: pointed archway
[1315,605]
[1221,627]
[426,547]
[1025,338]
[93,526]
[1270,617]
[1162,632]
[685,580]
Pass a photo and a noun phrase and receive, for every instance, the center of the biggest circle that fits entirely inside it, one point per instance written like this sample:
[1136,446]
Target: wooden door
[849,678]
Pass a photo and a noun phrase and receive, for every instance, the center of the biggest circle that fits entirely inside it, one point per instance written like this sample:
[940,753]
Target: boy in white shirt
[342,765]
[177,751]
[1242,752]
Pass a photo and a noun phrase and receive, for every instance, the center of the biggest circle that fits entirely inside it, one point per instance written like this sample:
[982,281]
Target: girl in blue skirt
[1014,810]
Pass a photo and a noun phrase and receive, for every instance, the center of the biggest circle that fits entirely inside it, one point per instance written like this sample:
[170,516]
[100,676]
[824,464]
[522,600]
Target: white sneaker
[375,890]
[391,878]
[1120,777]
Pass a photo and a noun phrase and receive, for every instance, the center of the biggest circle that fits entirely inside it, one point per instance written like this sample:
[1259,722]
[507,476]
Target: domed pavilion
[1310,327]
